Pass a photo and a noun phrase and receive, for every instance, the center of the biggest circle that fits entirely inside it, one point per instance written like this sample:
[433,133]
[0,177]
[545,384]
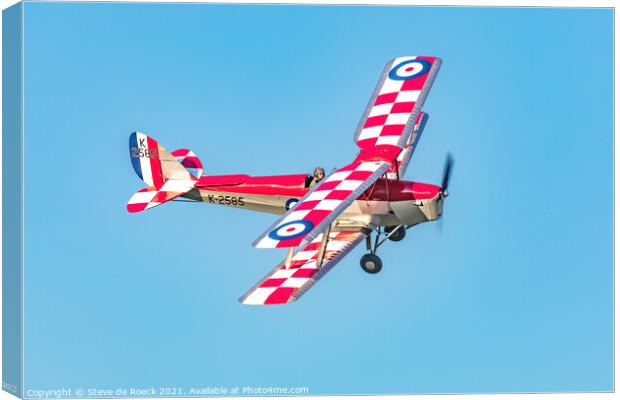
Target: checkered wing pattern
[284,285]
[383,132]
[396,102]
[152,196]
[189,160]
[322,205]
[398,169]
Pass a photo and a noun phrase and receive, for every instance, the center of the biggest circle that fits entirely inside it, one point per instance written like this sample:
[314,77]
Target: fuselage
[387,202]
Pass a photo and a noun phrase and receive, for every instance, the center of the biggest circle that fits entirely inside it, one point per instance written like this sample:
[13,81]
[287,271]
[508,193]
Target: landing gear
[371,263]
[395,233]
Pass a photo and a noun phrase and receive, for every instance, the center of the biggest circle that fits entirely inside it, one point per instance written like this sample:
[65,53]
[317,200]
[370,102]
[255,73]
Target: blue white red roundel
[291,230]
[290,203]
[409,69]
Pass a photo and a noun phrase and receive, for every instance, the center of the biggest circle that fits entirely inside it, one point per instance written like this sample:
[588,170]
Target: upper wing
[396,102]
[398,169]
[381,134]
[283,285]
[322,205]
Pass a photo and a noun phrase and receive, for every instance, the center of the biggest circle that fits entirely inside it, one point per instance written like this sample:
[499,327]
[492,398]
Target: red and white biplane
[321,219]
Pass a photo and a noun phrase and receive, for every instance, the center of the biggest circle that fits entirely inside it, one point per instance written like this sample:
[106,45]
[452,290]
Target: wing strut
[324,241]
[289,257]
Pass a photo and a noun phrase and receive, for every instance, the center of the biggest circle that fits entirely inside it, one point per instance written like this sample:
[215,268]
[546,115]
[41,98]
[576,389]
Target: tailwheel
[395,233]
[371,263]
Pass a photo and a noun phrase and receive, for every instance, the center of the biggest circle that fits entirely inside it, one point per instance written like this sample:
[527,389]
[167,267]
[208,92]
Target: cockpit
[317,175]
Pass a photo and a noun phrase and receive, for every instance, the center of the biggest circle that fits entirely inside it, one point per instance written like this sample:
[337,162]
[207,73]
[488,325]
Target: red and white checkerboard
[384,130]
[152,196]
[283,285]
[315,211]
[189,160]
[398,169]
[396,101]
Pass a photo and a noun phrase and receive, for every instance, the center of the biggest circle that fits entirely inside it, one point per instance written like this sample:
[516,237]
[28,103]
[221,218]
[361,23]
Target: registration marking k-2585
[226,200]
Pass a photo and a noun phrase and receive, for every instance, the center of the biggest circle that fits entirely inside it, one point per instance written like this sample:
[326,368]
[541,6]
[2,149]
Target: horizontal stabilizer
[189,160]
[152,196]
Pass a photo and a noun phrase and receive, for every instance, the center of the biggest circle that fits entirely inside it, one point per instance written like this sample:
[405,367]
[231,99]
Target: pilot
[316,177]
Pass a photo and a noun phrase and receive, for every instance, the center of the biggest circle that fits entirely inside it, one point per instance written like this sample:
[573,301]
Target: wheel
[398,235]
[371,263]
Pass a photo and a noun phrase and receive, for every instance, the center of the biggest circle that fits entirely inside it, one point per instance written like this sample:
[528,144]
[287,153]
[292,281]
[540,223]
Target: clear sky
[513,294]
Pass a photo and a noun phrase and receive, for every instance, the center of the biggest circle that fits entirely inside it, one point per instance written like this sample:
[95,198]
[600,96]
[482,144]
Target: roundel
[291,230]
[290,203]
[409,69]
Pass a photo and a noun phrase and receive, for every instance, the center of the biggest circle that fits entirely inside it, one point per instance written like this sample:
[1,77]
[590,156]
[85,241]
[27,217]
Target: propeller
[445,181]
[447,171]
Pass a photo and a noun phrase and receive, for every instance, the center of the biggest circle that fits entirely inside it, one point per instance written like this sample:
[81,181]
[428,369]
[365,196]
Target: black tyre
[371,263]
[397,236]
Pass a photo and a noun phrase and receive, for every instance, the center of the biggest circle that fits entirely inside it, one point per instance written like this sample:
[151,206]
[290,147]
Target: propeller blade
[439,226]
[447,171]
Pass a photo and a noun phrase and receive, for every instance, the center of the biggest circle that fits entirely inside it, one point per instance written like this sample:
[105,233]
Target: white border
[485,3]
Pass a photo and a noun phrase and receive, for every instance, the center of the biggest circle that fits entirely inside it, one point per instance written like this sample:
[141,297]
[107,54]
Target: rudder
[152,162]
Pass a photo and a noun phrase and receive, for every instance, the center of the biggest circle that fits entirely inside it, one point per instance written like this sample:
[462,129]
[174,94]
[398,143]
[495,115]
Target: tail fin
[166,177]
[153,163]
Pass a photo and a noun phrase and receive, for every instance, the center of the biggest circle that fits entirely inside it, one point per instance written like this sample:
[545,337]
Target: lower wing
[284,285]
[322,205]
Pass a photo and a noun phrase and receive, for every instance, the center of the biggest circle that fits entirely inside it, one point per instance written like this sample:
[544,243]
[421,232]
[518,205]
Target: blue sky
[514,294]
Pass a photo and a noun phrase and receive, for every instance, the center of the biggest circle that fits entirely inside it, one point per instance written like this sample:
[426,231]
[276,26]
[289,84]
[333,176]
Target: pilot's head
[319,173]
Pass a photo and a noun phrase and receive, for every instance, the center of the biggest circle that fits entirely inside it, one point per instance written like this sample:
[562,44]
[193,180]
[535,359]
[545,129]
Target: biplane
[323,217]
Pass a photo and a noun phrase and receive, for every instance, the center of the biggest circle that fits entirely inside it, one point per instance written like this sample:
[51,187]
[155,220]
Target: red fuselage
[386,202]
[293,186]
